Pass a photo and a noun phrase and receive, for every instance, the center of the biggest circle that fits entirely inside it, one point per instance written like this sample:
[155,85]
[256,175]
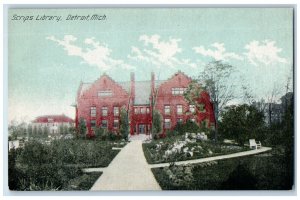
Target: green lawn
[155,151]
[260,172]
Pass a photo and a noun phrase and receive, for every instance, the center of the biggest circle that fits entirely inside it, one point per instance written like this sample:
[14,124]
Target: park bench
[255,144]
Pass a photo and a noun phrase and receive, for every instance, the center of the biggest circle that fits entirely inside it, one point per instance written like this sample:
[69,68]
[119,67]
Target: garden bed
[83,182]
[179,149]
[246,173]
[52,167]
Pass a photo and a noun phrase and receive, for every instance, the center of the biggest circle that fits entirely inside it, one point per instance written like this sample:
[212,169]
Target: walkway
[129,170]
[244,153]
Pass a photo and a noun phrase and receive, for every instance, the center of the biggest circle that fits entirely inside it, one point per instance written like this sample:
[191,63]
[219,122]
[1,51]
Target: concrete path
[129,170]
[244,153]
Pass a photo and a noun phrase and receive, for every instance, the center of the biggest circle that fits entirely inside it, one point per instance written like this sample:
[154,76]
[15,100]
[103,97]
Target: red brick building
[99,103]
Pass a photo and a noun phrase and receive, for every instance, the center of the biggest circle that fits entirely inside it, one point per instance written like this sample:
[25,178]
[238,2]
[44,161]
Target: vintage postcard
[150,99]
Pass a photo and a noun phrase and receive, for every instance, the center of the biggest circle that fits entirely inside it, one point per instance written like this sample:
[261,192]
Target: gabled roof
[125,85]
[53,118]
[142,89]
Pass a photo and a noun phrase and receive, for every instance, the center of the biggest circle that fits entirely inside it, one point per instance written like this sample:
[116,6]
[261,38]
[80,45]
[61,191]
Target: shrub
[189,126]
[171,133]
[51,167]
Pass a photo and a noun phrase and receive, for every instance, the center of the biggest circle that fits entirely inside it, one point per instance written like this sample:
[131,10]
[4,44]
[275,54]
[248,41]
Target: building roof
[53,118]
[142,89]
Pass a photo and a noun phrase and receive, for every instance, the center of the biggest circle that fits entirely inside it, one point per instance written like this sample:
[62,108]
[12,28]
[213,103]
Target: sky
[47,59]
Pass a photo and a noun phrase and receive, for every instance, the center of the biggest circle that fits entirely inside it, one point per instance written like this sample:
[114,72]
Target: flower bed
[183,148]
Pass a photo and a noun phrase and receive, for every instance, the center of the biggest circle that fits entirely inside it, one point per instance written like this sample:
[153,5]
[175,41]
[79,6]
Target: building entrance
[142,129]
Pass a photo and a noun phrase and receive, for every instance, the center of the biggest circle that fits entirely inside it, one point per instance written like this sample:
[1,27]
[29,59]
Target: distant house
[99,103]
[53,122]
[274,112]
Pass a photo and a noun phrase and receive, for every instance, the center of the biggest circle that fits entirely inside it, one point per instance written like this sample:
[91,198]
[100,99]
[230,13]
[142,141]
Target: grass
[206,149]
[259,172]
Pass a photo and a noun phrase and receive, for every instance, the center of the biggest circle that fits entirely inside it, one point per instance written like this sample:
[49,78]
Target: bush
[189,126]
[51,167]
[245,173]
[170,133]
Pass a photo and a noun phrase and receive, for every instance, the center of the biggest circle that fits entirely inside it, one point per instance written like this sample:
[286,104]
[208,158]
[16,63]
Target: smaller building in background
[55,124]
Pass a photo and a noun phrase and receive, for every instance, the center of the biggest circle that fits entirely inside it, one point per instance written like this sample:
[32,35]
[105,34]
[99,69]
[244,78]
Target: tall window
[104,123]
[167,123]
[148,110]
[143,110]
[93,123]
[104,93]
[179,109]
[192,108]
[93,111]
[136,110]
[116,123]
[178,91]
[167,110]
[116,111]
[104,111]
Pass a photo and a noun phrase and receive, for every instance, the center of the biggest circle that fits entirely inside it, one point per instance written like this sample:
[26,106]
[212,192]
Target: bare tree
[217,81]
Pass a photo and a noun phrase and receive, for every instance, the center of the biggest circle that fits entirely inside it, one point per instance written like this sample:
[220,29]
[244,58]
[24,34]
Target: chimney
[132,86]
[152,82]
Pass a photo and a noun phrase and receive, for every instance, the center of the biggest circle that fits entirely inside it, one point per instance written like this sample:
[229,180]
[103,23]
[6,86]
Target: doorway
[142,128]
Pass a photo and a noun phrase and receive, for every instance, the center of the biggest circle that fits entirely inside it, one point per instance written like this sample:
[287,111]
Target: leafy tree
[157,124]
[241,123]
[81,131]
[46,131]
[99,132]
[39,131]
[61,129]
[193,96]
[35,131]
[29,130]
[124,125]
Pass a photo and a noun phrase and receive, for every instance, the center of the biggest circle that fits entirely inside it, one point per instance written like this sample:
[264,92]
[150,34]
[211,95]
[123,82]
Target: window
[193,120]
[167,110]
[136,110]
[93,123]
[178,91]
[93,111]
[192,108]
[104,123]
[179,109]
[167,123]
[116,123]
[105,93]
[116,111]
[143,110]
[148,110]
[104,111]
[179,121]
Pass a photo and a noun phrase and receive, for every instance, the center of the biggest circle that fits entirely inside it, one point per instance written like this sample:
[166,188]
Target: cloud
[159,53]
[264,52]
[218,53]
[95,54]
